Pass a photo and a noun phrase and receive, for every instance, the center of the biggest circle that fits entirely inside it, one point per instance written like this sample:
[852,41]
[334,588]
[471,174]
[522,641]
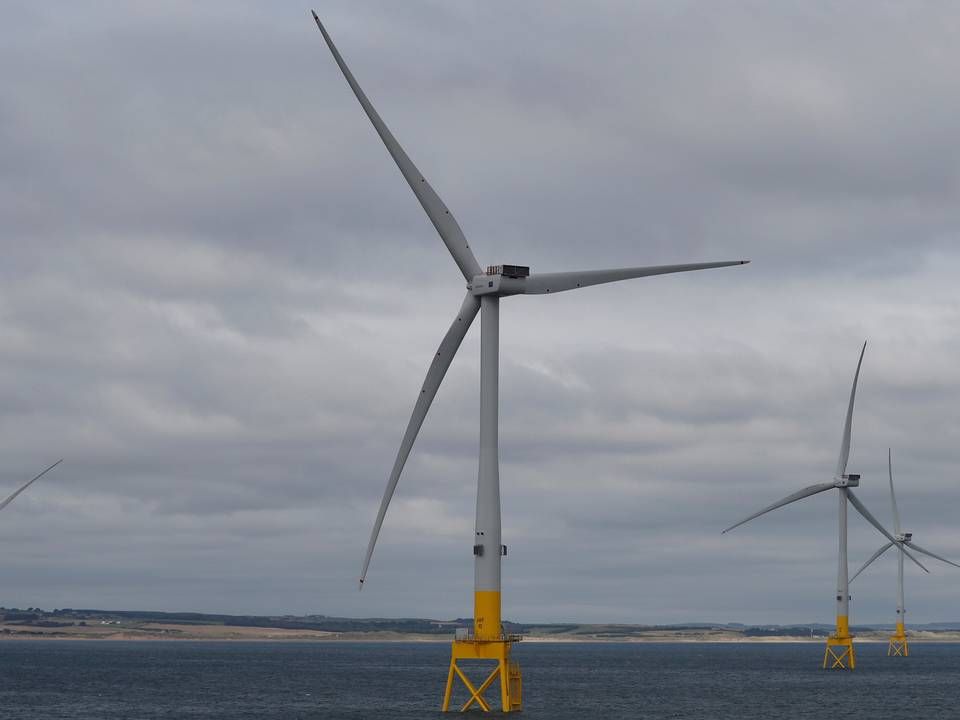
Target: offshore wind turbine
[902,540]
[843,482]
[13,496]
[487,641]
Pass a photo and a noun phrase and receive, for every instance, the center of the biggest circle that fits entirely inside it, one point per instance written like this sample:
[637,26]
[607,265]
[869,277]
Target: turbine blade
[933,555]
[799,495]
[862,509]
[893,496]
[438,213]
[542,283]
[845,444]
[26,485]
[916,562]
[438,368]
[873,557]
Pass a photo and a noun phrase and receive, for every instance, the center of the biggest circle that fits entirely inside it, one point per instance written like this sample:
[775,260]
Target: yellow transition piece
[486,615]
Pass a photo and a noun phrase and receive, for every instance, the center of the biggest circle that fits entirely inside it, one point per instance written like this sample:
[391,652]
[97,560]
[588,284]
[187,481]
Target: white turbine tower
[902,540]
[484,290]
[23,487]
[843,482]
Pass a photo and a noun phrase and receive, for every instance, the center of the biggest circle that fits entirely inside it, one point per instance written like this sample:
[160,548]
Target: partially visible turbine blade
[438,213]
[438,368]
[893,496]
[933,555]
[542,283]
[845,443]
[862,509]
[799,495]
[915,561]
[873,557]
[25,486]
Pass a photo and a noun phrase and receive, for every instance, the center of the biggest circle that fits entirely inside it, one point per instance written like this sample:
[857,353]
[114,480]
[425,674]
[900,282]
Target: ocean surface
[91,680]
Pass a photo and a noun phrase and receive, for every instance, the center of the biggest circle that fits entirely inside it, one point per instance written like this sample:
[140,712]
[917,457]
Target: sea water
[104,680]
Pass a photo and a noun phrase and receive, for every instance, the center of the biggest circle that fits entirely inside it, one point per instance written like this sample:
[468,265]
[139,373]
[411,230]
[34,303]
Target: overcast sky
[219,299]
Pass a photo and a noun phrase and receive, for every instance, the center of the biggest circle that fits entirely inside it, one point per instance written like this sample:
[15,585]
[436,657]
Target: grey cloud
[207,302]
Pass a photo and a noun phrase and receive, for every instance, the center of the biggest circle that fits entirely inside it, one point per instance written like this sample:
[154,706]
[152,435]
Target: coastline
[176,632]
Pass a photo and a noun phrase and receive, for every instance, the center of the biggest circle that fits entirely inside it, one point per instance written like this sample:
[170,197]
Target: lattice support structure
[505,670]
[898,643]
[839,653]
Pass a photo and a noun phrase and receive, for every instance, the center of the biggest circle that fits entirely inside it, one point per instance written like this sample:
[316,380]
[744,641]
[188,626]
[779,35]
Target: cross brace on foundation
[507,671]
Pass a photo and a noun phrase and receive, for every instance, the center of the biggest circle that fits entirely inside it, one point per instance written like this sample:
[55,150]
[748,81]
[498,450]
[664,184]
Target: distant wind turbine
[28,484]
[843,482]
[484,290]
[898,641]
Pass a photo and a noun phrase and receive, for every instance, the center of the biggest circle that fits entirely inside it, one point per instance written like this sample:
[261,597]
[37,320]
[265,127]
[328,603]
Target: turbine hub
[904,537]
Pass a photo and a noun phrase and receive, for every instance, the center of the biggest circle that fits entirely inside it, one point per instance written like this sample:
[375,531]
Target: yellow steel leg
[504,683]
[898,643]
[839,653]
[449,689]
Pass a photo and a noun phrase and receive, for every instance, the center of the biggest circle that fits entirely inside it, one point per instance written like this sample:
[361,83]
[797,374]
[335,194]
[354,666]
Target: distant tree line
[785,632]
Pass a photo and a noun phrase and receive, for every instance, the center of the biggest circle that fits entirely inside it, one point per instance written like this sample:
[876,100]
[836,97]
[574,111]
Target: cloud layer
[219,299]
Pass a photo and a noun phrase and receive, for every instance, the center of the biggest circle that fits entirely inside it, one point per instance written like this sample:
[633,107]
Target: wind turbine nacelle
[848,481]
[904,537]
[512,271]
[500,280]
